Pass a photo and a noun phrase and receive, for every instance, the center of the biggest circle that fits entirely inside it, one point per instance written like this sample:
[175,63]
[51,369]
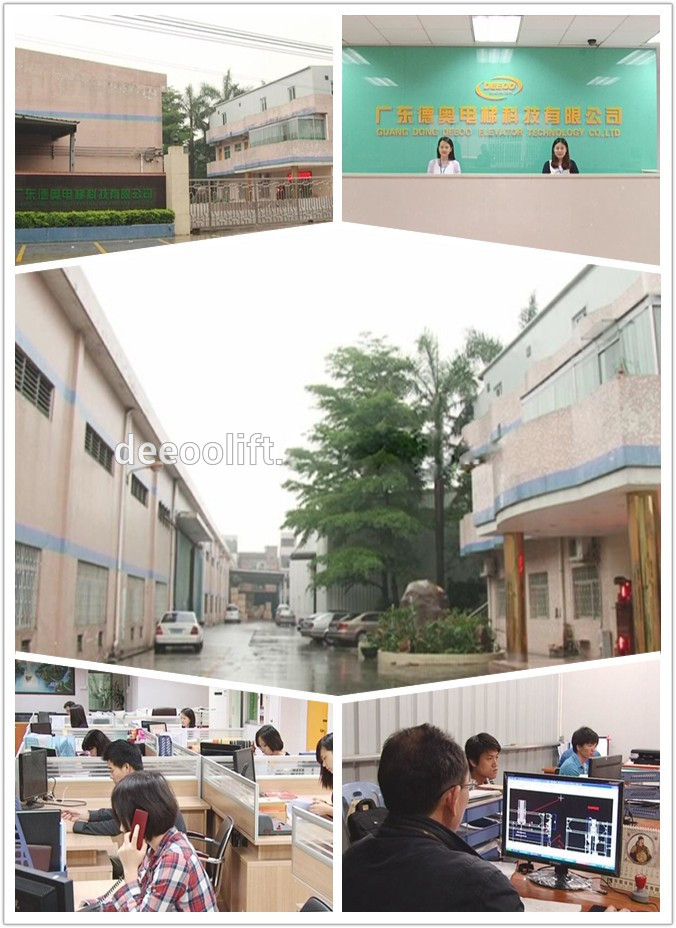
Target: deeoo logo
[499,88]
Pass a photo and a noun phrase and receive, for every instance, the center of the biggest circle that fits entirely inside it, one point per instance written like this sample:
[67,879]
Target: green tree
[360,484]
[197,107]
[527,313]
[174,128]
[227,90]
[446,391]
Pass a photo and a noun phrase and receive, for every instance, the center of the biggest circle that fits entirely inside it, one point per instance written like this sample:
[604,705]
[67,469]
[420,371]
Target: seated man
[482,752]
[122,759]
[584,742]
[415,862]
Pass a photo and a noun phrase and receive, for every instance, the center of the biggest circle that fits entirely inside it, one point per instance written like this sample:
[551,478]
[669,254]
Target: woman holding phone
[164,874]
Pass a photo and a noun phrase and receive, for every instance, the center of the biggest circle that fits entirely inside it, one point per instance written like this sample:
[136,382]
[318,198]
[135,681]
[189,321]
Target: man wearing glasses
[415,862]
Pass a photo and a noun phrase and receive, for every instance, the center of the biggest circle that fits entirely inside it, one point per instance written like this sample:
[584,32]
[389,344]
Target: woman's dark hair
[271,736]
[325,776]
[148,791]
[68,704]
[190,715]
[78,717]
[95,739]
[451,154]
[565,161]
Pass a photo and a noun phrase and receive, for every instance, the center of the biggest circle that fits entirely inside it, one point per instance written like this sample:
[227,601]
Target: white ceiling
[609,31]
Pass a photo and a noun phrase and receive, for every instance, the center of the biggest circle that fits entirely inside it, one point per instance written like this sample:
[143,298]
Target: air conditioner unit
[582,550]
[490,568]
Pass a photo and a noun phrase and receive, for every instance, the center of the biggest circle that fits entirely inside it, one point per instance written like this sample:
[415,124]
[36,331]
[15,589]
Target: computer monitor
[606,768]
[41,728]
[36,891]
[50,752]
[243,763]
[42,830]
[32,777]
[211,749]
[156,727]
[565,822]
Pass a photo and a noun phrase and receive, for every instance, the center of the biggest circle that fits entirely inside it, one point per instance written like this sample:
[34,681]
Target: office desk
[96,795]
[89,889]
[586,899]
[88,856]
[258,875]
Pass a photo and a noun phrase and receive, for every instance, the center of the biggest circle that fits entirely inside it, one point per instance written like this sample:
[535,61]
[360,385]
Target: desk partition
[312,856]
[230,794]
[286,765]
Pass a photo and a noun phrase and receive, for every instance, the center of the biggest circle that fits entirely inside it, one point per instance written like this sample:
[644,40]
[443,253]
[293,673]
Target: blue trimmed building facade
[565,456]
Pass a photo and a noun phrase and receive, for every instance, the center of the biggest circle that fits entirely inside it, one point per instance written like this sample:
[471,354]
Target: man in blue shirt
[585,741]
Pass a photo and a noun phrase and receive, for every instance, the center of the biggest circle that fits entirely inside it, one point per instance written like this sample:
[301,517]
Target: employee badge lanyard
[442,169]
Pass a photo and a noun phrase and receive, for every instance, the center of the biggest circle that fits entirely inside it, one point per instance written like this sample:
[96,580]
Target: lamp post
[155,467]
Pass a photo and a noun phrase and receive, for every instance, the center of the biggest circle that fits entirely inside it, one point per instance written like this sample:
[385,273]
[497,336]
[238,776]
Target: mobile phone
[598,908]
[141,819]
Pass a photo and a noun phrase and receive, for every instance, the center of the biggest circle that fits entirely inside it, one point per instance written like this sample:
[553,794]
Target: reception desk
[598,215]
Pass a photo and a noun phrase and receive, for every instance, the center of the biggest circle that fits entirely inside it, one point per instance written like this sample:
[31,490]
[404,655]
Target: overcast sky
[226,338]
[61,29]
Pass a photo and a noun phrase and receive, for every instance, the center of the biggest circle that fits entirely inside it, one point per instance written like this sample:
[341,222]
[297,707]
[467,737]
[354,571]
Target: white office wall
[620,699]
[520,711]
[24,703]
[146,692]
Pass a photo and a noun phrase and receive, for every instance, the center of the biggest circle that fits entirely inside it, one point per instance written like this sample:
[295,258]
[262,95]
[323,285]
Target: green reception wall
[502,107]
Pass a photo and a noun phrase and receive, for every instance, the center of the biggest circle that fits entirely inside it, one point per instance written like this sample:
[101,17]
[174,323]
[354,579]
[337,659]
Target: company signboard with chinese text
[66,192]
[502,107]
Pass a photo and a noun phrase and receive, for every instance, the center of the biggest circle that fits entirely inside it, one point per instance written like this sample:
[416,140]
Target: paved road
[57,251]
[259,654]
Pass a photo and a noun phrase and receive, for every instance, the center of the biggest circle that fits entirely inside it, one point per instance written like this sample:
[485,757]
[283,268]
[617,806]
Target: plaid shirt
[170,879]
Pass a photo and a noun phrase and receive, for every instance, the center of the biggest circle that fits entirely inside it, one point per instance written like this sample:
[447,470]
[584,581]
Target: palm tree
[446,390]
[197,110]
[227,91]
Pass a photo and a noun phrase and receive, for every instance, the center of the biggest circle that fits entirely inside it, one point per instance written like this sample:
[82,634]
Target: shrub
[32,219]
[453,633]
[394,629]
[457,633]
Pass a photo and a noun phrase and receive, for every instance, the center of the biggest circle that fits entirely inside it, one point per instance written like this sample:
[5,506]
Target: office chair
[314,904]
[213,864]
[164,711]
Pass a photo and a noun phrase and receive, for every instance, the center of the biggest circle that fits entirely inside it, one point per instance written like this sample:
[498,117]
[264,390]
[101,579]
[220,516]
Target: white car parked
[178,629]
[232,613]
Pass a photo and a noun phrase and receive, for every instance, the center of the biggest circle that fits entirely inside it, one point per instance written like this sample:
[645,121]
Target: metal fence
[232,204]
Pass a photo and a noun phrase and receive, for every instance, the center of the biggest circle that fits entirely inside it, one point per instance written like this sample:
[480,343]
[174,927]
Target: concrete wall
[69,506]
[119,112]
